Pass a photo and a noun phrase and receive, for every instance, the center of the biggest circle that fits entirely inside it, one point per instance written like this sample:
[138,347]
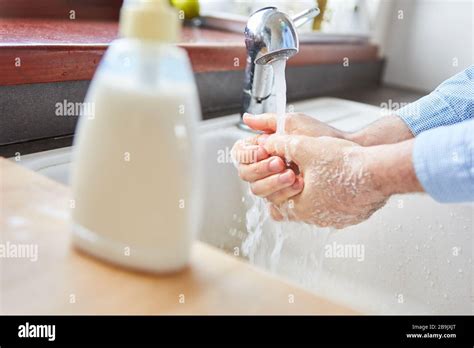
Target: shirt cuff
[426,113]
[443,161]
[450,103]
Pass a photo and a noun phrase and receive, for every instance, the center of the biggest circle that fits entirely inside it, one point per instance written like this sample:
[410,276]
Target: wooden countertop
[34,50]
[35,210]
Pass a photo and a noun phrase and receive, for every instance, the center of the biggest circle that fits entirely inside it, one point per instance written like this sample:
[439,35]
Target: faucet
[270,35]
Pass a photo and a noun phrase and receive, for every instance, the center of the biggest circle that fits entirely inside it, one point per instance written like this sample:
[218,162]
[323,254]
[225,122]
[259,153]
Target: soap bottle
[135,156]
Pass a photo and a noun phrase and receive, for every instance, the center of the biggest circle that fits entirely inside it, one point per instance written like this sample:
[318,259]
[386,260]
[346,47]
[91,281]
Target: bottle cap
[149,20]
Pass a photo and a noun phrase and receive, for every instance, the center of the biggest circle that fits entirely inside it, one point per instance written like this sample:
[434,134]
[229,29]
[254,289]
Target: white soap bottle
[135,156]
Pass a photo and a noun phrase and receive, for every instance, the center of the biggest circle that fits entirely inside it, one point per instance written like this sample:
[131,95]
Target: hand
[268,175]
[387,130]
[339,187]
[295,123]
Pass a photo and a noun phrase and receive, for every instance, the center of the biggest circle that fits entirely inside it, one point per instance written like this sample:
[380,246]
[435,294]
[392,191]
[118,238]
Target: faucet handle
[305,16]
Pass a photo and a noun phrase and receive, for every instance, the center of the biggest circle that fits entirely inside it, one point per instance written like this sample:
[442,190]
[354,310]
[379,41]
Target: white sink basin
[417,253]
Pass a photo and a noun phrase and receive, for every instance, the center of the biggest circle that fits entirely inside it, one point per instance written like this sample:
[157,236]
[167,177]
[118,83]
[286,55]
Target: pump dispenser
[135,157]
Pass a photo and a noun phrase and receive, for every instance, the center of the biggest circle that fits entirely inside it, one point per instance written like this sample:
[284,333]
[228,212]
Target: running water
[280,93]
[257,214]
[264,245]
[280,96]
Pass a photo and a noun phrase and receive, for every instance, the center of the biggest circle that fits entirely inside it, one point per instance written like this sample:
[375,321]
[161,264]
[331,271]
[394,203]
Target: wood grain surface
[35,211]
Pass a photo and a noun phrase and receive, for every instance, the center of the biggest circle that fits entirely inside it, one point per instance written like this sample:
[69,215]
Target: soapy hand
[268,175]
[338,189]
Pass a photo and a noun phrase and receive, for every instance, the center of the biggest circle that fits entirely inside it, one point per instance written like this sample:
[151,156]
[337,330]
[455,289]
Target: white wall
[433,41]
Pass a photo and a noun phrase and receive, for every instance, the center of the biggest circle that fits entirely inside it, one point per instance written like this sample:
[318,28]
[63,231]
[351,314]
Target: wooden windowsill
[49,50]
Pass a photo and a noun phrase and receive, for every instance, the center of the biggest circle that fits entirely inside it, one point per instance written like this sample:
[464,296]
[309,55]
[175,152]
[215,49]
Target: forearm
[451,103]
[388,130]
[391,167]
[438,162]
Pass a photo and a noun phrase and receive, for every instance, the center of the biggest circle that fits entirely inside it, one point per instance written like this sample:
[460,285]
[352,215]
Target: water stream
[266,239]
[258,213]
[280,93]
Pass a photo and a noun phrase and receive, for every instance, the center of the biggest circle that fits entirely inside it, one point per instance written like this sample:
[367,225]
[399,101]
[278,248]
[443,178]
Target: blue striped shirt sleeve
[444,128]
[444,162]
[450,103]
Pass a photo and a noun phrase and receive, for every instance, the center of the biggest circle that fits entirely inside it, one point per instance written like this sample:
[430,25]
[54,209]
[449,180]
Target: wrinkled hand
[268,175]
[338,189]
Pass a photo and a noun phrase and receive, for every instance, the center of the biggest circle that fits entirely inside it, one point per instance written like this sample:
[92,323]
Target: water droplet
[417,248]
[441,226]
[448,261]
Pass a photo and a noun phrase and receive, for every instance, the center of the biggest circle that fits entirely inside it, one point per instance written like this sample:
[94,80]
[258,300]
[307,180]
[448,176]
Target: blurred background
[371,51]
[422,41]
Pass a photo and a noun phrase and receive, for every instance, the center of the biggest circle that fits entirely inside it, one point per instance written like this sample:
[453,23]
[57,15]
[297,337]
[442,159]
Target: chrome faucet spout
[270,35]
